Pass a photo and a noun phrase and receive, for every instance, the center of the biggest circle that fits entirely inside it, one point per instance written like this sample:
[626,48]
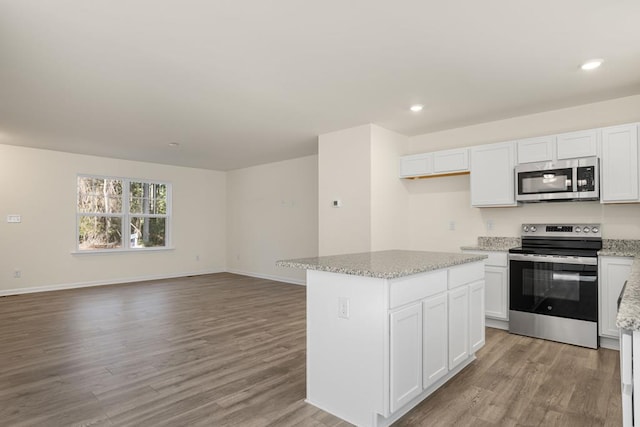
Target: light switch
[14,218]
[336,203]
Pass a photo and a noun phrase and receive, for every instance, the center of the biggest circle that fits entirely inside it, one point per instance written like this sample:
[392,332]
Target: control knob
[533,228]
[578,229]
[525,228]
[586,229]
[594,229]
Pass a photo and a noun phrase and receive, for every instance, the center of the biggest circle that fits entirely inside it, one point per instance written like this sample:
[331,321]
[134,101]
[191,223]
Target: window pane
[148,198]
[147,232]
[99,232]
[97,195]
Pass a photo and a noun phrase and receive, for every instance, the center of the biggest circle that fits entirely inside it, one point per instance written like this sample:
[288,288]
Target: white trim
[610,343]
[63,286]
[269,277]
[497,324]
[122,251]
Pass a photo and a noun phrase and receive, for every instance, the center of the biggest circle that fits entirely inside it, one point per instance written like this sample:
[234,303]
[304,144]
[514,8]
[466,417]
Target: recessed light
[174,145]
[416,108]
[592,64]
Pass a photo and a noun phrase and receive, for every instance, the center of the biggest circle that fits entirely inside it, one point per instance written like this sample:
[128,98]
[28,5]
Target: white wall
[344,173]
[389,196]
[272,214]
[41,186]
[435,202]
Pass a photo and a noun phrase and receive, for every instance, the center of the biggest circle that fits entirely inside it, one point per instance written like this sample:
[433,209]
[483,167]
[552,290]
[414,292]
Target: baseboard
[64,286]
[497,324]
[269,277]
[610,343]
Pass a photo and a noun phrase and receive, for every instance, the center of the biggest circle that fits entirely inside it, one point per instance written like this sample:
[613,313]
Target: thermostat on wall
[336,204]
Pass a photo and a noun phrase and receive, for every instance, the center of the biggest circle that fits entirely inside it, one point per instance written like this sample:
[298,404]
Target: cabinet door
[496,292]
[476,316]
[450,161]
[619,164]
[577,144]
[435,339]
[458,325]
[416,165]
[406,355]
[536,149]
[613,271]
[492,175]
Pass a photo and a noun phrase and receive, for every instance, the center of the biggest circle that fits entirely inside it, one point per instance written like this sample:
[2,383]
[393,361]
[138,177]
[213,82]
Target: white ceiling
[245,82]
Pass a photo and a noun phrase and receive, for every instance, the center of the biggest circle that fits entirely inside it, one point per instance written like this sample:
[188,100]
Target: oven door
[555,286]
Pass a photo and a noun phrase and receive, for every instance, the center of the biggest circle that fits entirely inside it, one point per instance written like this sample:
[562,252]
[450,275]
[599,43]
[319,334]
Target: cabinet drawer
[416,287]
[465,274]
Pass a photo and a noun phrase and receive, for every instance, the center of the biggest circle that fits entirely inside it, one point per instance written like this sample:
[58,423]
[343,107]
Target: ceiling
[244,82]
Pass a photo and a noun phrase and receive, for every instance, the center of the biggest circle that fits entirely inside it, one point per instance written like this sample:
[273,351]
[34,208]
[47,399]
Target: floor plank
[223,349]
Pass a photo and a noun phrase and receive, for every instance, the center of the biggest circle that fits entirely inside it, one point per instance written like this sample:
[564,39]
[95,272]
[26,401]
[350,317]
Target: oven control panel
[561,230]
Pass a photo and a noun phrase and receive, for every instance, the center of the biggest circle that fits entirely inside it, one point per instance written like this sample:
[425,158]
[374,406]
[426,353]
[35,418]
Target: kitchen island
[386,329]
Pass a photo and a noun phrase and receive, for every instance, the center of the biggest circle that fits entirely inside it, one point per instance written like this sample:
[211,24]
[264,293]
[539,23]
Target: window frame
[126,216]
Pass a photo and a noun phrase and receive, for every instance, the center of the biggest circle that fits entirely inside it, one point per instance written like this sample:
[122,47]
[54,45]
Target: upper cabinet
[573,145]
[569,145]
[416,165]
[436,163]
[492,175]
[619,164]
[539,149]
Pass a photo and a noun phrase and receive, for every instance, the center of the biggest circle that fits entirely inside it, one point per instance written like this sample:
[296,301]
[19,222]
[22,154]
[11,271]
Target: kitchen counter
[494,244]
[382,264]
[386,329]
[629,311]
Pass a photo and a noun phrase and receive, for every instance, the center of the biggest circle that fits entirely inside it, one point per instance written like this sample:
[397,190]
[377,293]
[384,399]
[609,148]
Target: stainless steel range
[553,283]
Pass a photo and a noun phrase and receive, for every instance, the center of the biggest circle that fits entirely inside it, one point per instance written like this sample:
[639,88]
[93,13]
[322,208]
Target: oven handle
[554,259]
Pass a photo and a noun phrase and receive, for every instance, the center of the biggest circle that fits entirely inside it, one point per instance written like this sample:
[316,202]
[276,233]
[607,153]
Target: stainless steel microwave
[574,179]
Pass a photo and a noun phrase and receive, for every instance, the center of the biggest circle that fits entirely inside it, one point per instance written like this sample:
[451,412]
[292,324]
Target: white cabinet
[538,149]
[458,325]
[573,145]
[406,355]
[476,316]
[492,175]
[451,161]
[435,337]
[497,292]
[416,165]
[613,272]
[496,285]
[436,163]
[619,164]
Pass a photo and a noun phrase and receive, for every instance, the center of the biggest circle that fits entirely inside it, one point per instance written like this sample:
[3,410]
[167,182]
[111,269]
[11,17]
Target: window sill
[121,251]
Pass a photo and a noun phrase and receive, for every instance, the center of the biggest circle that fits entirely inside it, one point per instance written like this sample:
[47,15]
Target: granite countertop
[494,244]
[629,311]
[383,264]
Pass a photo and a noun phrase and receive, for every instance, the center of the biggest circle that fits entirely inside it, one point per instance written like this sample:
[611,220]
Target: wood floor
[228,350]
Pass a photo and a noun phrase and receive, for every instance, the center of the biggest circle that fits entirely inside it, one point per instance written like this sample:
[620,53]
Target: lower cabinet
[496,284]
[476,316]
[435,364]
[497,292]
[432,335]
[613,272]
[458,325]
[406,355]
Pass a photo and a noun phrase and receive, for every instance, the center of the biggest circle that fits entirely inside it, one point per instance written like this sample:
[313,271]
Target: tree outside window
[121,213]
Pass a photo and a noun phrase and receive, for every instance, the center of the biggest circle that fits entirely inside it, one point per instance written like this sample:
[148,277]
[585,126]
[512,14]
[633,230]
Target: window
[122,213]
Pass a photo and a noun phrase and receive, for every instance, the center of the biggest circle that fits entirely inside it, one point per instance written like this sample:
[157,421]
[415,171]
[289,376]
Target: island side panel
[346,360]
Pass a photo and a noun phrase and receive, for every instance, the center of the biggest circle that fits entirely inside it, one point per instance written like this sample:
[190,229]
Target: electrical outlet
[197,257]
[489,224]
[452,225]
[17,274]
[343,308]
